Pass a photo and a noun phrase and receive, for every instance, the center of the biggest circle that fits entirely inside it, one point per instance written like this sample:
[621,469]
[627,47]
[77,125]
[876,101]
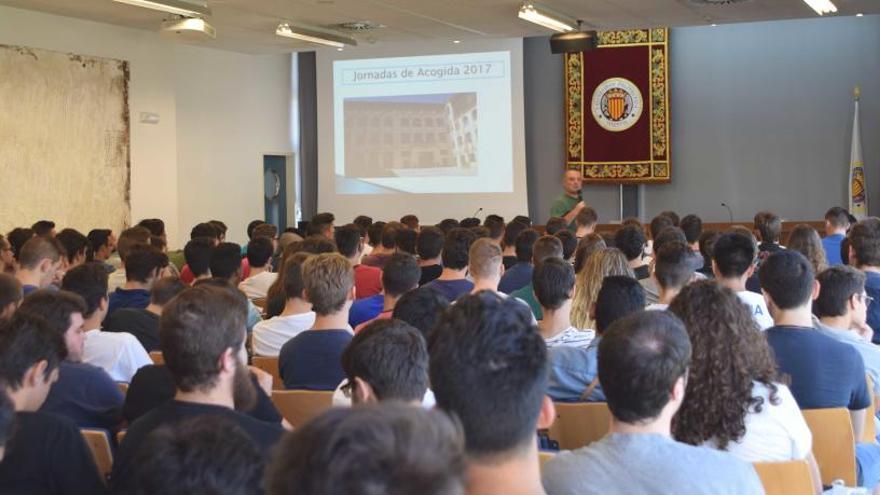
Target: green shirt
[527,295]
[562,205]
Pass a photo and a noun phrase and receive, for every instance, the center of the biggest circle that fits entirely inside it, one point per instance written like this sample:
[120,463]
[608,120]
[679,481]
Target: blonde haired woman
[601,264]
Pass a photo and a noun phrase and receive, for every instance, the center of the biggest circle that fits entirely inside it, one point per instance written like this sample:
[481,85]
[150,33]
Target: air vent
[358,26]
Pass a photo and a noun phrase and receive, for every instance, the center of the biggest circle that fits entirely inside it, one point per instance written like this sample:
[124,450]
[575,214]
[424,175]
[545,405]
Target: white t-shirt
[119,353]
[257,286]
[777,433]
[270,335]
[571,337]
[758,308]
[340,400]
[657,307]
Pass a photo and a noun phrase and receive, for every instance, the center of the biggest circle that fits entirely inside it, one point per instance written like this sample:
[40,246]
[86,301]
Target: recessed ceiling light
[456,41]
[339,49]
[860,14]
[713,24]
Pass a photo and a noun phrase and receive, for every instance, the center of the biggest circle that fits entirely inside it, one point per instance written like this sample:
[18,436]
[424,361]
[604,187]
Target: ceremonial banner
[858,195]
[617,108]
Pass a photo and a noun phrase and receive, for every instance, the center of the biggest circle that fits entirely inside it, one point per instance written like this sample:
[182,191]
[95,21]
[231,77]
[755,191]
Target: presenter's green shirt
[562,205]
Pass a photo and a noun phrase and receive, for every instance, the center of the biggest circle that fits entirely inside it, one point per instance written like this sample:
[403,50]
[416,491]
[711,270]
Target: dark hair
[511,232]
[292,276]
[10,290]
[838,217]
[619,296]
[251,226]
[421,308]
[25,340]
[220,226]
[588,245]
[707,243]
[486,347]
[266,230]
[641,356]
[317,244]
[142,261]
[728,355]
[864,239]
[456,247]
[587,217]
[659,223]
[553,281]
[129,238]
[374,233]
[259,251]
[670,234]
[837,285]
[56,306]
[525,241]
[631,241]
[89,280]
[692,226]
[733,253]
[7,419]
[206,454]
[523,220]
[195,329]
[495,225]
[39,248]
[205,229]
[787,277]
[17,238]
[430,242]
[569,243]
[389,234]
[805,240]
[546,247]
[673,266]
[43,227]
[401,274]
[388,448]
[155,225]
[348,238]
[74,243]
[225,260]
[363,222]
[410,220]
[769,225]
[197,254]
[392,357]
[406,240]
[447,224]
[555,224]
[844,251]
[319,223]
[165,289]
[469,223]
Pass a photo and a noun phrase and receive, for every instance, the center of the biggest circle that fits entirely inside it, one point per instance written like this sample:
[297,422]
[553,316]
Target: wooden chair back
[157,357]
[99,445]
[120,436]
[833,444]
[784,478]
[260,302]
[299,406]
[869,433]
[580,424]
[269,365]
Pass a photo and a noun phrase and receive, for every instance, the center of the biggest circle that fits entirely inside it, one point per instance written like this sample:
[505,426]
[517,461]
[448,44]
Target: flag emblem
[617,104]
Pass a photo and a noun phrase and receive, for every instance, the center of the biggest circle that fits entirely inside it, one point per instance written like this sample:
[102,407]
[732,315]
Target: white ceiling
[249,25]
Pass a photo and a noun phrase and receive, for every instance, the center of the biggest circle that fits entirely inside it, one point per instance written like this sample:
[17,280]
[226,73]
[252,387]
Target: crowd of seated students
[444,348]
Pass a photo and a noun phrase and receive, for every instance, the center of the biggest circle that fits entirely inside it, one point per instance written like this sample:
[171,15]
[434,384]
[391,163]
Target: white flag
[858,195]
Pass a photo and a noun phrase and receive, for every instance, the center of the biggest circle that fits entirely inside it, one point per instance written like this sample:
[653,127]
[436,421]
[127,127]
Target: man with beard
[202,335]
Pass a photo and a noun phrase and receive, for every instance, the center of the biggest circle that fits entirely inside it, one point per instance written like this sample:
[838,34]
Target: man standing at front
[569,203]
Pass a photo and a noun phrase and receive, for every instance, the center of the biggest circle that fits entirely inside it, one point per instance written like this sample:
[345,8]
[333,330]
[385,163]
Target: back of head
[7,419]
[39,248]
[674,265]
[486,347]
[659,223]
[707,243]
[155,225]
[641,357]
[320,223]
[631,241]
[226,260]
[251,226]
[525,242]
[207,454]
[733,253]
[787,277]
[447,224]
[348,240]
[546,247]
[837,217]
[455,248]
[495,225]
[266,230]
[387,448]
[469,223]
[568,243]
[406,240]
[197,254]
[328,281]
[768,225]
[421,308]
[484,259]
[692,226]
[401,274]
[205,229]
[587,217]
[673,217]
[129,238]
[196,328]
[363,222]
[259,251]
[220,227]
[618,296]
[430,242]
[523,220]
[165,289]
[291,275]
[837,285]
[10,291]
[56,306]
[144,262]
[389,234]
[17,238]
[805,240]
[588,245]
[25,340]
[411,221]
[74,243]
[392,357]
[511,232]
[555,224]
[317,244]
[43,227]
[374,233]
[671,234]
[864,239]
[89,281]
[553,281]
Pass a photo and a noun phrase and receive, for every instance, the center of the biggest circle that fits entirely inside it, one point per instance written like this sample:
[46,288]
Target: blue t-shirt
[824,373]
[365,309]
[832,248]
[311,360]
[572,370]
[451,289]
[128,298]
[86,395]
[872,288]
[517,277]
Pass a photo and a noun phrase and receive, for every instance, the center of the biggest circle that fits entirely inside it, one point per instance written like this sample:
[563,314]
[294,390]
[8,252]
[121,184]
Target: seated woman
[734,400]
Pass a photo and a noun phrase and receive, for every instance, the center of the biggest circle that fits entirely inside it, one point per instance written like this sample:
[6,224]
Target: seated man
[488,366]
[322,225]
[143,266]
[508,244]
[38,261]
[226,265]
[144,323]
[83,393]
[574,370]
[350,243]
[259,256]
[202,334]
[692,226]
[102,245]
[545,248]
[10,296]
[643,363]
[453,281]
[428,246]
[824,372]
[118,353]
[421,308]
[555,224]
[387,360]
[553,281]
[586,221]
[631,242]
[47,453]
[310,360]
[270,335]
[197,254]
[388,246]
[733,263]
[674,265]
[520,274]
[384,448]
[669,234]
[768,228]
[401,275]
[864,254]
[128,239]
[74,243]
[836,225]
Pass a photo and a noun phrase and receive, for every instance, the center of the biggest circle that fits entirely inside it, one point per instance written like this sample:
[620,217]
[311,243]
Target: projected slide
[431,124]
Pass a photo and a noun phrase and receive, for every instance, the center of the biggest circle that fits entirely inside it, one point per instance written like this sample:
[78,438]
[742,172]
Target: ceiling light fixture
[456,41]
[298,33]
[860,14]
[822,7]
[179,7]
[543,17]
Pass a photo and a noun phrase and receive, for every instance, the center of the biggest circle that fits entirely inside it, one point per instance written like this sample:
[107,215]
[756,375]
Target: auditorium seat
[99,444]
[157,357]
[299,406]
[783,478]
[869,433]
[580,424]
[269,365]
[833,444]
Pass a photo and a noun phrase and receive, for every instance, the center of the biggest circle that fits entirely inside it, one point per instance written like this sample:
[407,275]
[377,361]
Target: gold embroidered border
[574,107]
